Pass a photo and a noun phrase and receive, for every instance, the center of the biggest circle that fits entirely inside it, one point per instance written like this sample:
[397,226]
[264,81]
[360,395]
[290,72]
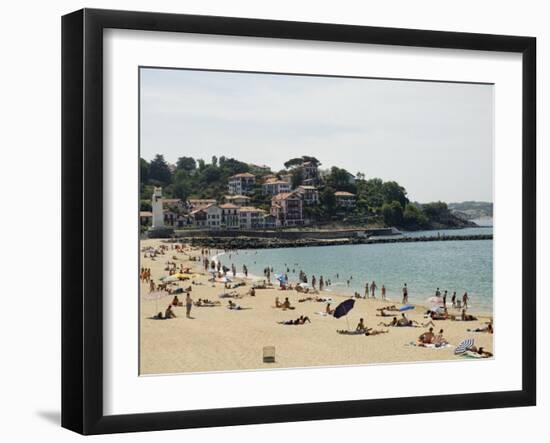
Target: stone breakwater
[263,243]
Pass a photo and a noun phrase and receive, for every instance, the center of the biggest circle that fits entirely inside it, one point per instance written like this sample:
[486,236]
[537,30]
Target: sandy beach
[220,339]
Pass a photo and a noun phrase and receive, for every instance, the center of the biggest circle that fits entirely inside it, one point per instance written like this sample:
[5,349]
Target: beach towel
[351,332]
[470,354]
[322,314]
[431,345]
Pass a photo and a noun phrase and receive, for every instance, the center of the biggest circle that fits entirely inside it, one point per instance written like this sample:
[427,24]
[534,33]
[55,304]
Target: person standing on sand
[188,305]
[383,292]
[453,299]
[465,300]
[405,294]
[373,289]
[366,290]
[313,281]
[321,283]
[445,299]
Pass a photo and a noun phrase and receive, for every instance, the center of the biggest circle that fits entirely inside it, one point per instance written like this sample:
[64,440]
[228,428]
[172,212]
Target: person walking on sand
[453,299]
[321,283]
[313,281]
[383,292]
[188,305]
[465,300]
[373,289]
[405,294]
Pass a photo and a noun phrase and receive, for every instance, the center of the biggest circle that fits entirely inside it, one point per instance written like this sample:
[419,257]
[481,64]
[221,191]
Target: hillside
[471,210]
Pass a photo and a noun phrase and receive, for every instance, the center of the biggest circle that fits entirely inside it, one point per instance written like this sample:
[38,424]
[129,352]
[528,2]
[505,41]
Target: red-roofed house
[287,207]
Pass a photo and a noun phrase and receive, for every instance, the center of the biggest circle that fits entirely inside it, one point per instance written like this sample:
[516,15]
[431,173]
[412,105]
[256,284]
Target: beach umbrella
[406,308]
[343,308]
[464,345]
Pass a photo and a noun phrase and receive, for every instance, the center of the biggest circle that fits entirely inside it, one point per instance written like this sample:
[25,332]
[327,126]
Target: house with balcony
[213,216]
[287,208]
[275,186]
[345,200]
[251,217]
[230,216]
[310,194]
[241,184]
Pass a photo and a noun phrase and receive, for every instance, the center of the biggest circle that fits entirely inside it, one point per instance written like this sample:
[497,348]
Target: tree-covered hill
[377,201]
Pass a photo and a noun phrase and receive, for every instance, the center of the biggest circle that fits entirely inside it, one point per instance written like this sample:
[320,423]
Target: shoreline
[253,278]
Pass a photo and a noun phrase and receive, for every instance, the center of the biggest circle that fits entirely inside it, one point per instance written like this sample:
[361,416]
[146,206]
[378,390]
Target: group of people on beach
[427,339]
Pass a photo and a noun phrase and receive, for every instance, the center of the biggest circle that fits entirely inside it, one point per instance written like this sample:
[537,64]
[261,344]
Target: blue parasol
[406,308]
[344,307]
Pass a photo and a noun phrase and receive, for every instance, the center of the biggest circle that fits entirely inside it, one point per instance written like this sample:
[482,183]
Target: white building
[274,187]
[251,218]
[288,209]
[213,216]
[310,194]
[241,184]
[230,216]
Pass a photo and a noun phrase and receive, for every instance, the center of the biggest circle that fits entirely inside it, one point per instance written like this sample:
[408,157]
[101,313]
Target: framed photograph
[269,221]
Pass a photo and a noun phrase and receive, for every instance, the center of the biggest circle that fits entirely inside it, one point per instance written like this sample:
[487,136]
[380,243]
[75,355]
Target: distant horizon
[434,139]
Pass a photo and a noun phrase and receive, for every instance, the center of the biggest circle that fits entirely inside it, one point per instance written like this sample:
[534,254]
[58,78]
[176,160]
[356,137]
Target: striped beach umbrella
[464,345]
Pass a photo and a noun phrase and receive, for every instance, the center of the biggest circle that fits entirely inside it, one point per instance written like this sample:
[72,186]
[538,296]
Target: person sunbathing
[169,313]
[467,317]
[305,299]
[439,340]
[388,308]
[328,310]
[361,326]
[479,351]
[426,338]
[488,329]
[286,304]
[158,316]
[383,313]
[176,301]
[390,324]
[299,321]
[370,331]
[234,306]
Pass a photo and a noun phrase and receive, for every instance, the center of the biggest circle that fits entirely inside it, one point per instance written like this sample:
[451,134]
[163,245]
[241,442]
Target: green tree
[328,200]
[187,164]
[392,213]
[392,191]
[214,161]
[143,170]
[341,180]
[159,170]
[297,177]
[414,217]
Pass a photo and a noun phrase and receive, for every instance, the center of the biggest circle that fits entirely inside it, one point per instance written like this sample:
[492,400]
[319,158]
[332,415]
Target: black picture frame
[82,218]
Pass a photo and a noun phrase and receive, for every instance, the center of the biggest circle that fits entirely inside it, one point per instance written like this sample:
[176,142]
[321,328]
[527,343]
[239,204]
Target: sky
[435,139]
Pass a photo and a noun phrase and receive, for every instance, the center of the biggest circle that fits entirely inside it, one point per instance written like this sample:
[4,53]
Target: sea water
[461,266]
